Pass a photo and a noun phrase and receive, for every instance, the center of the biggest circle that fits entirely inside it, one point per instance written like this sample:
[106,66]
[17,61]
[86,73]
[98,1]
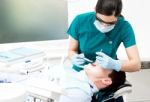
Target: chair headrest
[126,88]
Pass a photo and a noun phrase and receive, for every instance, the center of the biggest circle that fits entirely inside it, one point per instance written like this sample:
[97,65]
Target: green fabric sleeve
[128,36]
[74,27]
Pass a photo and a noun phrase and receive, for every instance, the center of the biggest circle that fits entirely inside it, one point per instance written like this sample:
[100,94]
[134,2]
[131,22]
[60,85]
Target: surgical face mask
[102,28]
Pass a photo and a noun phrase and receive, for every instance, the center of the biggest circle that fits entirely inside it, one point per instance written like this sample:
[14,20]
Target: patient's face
[97,71]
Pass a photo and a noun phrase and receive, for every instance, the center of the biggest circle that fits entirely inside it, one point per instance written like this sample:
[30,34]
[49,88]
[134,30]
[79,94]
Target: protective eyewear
[109,23]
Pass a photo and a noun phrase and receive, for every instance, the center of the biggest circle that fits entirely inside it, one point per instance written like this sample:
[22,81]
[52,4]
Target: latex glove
[107,62]
[78,60]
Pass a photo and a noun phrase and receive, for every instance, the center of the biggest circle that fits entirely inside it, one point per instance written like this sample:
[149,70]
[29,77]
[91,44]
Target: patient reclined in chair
[81,86]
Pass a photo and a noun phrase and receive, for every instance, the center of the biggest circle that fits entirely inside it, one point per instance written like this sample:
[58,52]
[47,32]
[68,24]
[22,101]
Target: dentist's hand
[107,62]
[78,60]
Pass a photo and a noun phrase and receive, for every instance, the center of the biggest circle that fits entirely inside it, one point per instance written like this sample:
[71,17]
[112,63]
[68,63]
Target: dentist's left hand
[107,62]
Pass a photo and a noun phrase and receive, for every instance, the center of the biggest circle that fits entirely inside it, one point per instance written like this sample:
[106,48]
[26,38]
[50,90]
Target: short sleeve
[128,36]
[74,27]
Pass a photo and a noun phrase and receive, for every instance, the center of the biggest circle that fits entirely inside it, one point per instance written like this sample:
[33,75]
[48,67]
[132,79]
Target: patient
[81,86]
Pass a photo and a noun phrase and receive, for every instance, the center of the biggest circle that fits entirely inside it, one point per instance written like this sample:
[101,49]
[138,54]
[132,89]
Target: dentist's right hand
[78,60]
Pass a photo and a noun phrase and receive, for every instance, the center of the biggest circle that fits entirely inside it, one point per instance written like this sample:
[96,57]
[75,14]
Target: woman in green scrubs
[97,36]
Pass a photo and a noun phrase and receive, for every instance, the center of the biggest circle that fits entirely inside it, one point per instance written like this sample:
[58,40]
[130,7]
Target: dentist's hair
[109,7]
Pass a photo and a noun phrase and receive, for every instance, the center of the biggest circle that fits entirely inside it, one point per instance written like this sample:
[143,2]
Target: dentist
[98,35]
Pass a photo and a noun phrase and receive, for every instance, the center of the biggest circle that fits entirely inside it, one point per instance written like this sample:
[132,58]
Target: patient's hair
[118,79]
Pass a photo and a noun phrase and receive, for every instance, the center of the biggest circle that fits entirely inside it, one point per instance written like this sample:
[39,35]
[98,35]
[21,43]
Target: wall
[33,20]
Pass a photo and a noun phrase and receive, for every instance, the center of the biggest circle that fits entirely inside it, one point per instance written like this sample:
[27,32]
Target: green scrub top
[91,40]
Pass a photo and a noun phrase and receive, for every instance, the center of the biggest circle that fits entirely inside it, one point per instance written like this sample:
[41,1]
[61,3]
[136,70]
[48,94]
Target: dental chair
[124,89]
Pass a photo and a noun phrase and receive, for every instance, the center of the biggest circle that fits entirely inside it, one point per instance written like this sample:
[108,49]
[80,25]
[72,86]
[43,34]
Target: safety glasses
[108,23]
